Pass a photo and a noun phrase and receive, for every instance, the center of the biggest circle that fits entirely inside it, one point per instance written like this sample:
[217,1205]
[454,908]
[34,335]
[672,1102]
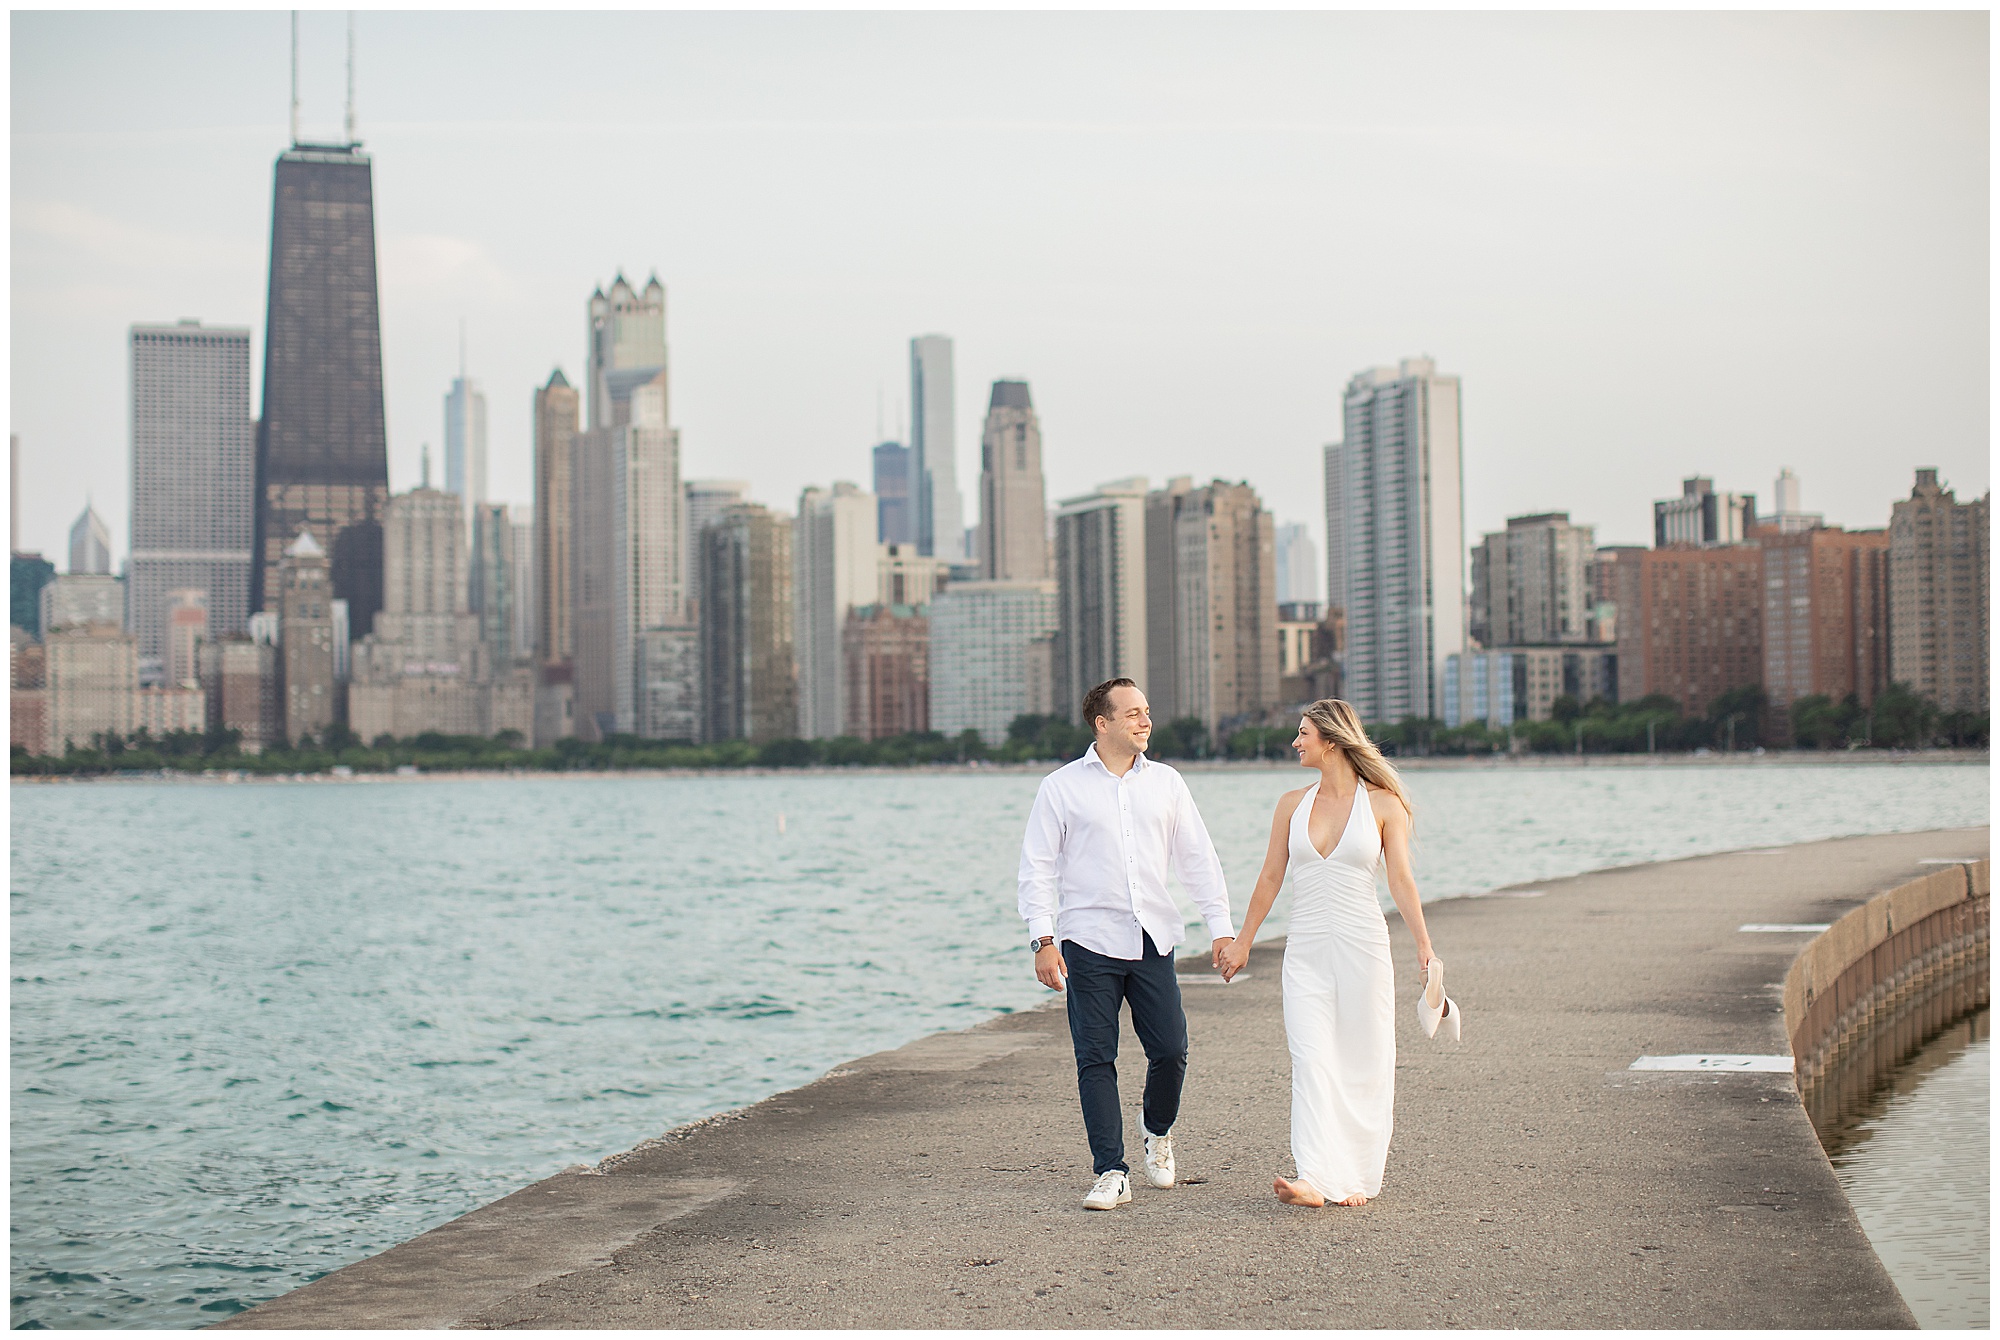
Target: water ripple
[262,1031]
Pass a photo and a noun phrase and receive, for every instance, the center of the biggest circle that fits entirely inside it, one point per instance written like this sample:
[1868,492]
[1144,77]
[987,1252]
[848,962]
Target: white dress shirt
[1097,852]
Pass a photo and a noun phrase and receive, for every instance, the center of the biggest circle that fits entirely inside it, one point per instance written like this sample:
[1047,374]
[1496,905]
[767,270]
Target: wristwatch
[1041,942]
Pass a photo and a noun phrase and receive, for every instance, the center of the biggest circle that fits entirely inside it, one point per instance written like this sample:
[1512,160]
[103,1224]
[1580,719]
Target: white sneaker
[1114,1188]
[1160,1159]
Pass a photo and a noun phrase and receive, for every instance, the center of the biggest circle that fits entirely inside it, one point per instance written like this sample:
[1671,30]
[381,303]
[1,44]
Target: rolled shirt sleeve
[1198,867]
[1041,847]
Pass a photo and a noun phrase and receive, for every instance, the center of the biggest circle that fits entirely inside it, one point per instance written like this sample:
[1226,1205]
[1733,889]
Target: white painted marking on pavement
[1782,928]
[1948,860]
[1719,1062]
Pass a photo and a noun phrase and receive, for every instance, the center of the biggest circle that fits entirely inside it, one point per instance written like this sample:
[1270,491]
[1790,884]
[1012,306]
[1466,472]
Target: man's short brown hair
[1097,702]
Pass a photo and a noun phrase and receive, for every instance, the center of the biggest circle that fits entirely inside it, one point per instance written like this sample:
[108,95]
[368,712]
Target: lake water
[1915,1167]
[261,1031]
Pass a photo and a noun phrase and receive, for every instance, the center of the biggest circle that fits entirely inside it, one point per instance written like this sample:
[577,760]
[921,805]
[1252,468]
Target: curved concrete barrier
[1885,976]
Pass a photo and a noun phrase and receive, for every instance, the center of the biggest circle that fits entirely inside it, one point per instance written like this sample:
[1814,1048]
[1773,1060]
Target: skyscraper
[895,517]
[187,628]
[1696,627]
[833,571]
[704,502]
[1101,591]
[89,545]
[628,332]
[1940,586]
[1298,565]
[525,634]
[555,450]
[29,575]
[749,680]
[322,444]
[887,680]
[1402,530]
[493,597]
[1703,516]
[1789,517]
[1221,605]
[465,440]
[934,448]
[1333,462]
[428,666]
[1531,582]
[627,522]
[305,644]
[984,640]
[1826,615]
[194,477]
[1013,522]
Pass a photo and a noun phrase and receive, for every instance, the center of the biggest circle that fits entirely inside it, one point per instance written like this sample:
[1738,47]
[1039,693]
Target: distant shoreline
[1460,763]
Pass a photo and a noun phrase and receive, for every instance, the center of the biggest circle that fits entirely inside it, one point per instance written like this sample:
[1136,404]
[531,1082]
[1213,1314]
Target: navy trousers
[1097,985]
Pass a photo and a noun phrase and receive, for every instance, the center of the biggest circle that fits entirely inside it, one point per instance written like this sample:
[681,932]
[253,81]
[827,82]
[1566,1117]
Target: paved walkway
[1534,1179]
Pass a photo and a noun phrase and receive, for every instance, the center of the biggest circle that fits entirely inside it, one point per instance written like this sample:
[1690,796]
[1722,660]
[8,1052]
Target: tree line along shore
[1739,721]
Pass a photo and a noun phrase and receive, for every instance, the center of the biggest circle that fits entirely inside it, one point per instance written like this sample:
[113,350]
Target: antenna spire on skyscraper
[295,76]
[350,79]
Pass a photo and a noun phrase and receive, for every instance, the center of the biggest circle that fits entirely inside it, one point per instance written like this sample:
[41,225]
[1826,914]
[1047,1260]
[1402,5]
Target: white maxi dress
[1340,1007]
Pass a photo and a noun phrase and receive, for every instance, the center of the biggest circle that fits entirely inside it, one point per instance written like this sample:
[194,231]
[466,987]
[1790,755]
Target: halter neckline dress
[1340,1006]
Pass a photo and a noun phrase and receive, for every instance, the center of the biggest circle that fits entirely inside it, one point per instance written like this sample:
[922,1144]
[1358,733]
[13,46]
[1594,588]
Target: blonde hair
[1340,726]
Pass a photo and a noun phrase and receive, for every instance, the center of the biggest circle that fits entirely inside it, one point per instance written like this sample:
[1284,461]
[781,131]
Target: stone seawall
[1884,977]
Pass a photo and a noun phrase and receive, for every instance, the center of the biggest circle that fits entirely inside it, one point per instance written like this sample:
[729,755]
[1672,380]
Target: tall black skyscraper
[322,447]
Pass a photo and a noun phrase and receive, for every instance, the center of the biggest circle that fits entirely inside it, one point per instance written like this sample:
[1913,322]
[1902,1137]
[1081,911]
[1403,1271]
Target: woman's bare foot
[1357,1199]
[1297,1193]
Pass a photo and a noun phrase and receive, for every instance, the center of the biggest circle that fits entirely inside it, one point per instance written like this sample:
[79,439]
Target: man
[1101,836]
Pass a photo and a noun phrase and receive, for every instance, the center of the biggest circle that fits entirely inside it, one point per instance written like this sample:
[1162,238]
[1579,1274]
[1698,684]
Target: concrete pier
[1535,1178]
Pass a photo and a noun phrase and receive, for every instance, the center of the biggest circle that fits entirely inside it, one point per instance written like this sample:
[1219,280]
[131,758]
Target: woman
[1340,1000]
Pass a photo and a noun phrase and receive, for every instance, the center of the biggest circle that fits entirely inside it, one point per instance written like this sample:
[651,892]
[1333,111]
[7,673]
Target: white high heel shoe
[1434,1005]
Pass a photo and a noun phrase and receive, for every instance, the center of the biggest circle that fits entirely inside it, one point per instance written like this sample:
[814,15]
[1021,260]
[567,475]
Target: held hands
[1050,968]
[1230,956]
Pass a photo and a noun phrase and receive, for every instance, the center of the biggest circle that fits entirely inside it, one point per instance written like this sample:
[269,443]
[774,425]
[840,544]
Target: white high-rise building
[834,569]
[985,641]
[934,449]
[193,477]
[1298,565]
[628,332]
[630,555]
[425,611]
[526,630]
[1401,525]
[1013,518]
[89,545]
[465,440]
[1101,584]
[1790,519]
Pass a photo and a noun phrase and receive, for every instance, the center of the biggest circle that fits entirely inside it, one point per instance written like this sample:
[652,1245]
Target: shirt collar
[1139,764]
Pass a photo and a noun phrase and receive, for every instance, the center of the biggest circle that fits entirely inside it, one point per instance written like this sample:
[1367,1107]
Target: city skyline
[1786,375]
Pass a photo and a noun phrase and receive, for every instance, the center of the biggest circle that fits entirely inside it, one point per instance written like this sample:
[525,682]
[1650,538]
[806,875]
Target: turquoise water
[260,1031]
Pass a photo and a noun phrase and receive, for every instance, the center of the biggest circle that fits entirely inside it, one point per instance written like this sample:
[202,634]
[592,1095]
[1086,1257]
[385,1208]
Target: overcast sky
[1651,245]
